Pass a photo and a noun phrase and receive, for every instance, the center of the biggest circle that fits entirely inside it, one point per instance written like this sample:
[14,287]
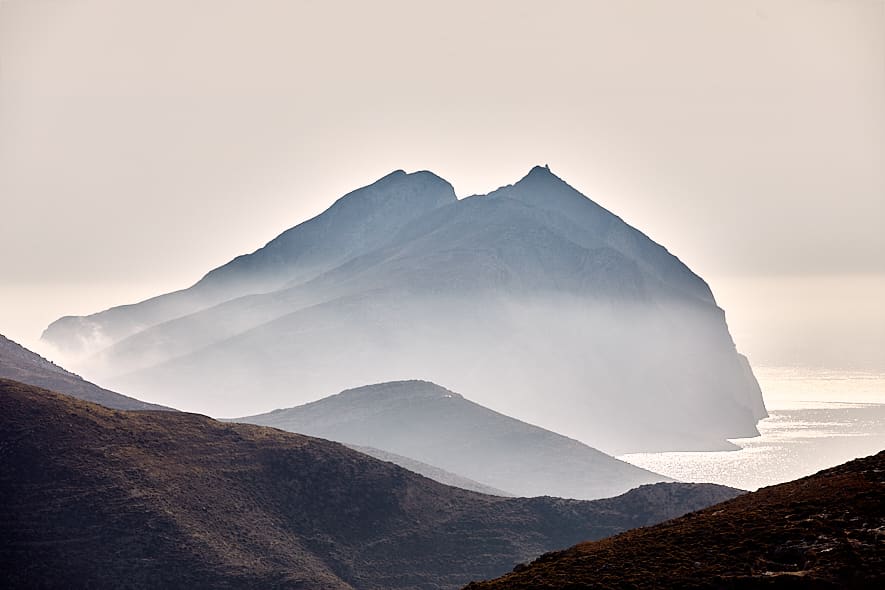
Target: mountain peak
[541,173]
[421,191]
[541,187]
[401,176]
[411,389]
[393,175]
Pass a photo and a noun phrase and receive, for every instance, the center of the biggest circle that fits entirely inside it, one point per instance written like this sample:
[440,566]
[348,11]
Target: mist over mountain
[98,498]
[20,364]
[429,423]
[532,300]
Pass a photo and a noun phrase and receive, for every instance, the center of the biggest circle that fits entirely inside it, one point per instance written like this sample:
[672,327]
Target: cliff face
[92,497]
[531,300]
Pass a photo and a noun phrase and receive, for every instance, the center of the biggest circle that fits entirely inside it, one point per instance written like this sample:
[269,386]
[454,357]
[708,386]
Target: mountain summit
[532,300]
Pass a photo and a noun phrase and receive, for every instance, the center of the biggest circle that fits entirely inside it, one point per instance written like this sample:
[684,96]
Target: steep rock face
[97,498]
[429,423]
[533,300]
[819,532]
[20,364]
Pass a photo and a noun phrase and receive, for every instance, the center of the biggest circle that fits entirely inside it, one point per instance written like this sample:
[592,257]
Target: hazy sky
[144,142]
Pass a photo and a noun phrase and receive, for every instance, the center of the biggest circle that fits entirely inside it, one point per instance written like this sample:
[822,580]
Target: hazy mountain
[20,364]
[820,532]
[429,423]
[356,222]
[430,471]
[531,299]
[98,498]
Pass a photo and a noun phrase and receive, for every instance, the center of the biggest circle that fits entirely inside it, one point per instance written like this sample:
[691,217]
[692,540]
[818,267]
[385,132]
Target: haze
[144,143]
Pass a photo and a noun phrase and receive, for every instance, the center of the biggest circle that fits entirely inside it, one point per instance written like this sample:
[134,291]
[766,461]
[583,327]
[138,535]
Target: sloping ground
[824,531]
[430,471]
[434,425]
[20,364]
[92,497]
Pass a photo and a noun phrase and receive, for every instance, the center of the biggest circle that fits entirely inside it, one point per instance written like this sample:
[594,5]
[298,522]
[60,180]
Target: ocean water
[818,419]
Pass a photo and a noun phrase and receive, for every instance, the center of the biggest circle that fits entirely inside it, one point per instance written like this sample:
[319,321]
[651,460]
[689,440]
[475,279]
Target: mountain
[820,532]
[20,364]
[532,299]
[429,423]
[99,498]
[358,221]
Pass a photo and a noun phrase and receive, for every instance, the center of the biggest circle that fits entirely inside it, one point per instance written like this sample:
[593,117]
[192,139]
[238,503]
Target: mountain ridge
[102,498]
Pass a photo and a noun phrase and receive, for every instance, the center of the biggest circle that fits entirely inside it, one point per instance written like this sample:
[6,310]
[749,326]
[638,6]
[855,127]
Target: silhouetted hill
[532,299]
[98,498]
[20,364]
[424,421]
[826,531]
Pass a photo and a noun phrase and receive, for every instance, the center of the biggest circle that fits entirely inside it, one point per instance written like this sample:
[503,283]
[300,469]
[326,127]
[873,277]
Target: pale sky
[143,143]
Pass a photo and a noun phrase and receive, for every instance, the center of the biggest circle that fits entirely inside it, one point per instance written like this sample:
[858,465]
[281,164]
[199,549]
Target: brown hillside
[92,497]
[20,364]
[820,532]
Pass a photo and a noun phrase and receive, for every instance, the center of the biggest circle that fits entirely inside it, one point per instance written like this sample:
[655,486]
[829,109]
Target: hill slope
[430,471]
[532,299]
[826,531]
[20,364]
[429,423]
[102,498]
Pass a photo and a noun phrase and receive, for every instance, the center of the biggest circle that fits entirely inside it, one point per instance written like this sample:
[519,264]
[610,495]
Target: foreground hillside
[434,425]
[20,364]
[823,531]
[92,497]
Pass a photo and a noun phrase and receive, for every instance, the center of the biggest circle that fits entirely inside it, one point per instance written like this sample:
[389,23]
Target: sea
[818,418]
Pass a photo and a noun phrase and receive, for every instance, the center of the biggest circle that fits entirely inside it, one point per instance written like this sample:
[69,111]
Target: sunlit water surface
[818,419]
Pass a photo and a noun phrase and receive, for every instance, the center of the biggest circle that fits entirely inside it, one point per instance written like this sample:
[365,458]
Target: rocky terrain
[826,531]
[100,498]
